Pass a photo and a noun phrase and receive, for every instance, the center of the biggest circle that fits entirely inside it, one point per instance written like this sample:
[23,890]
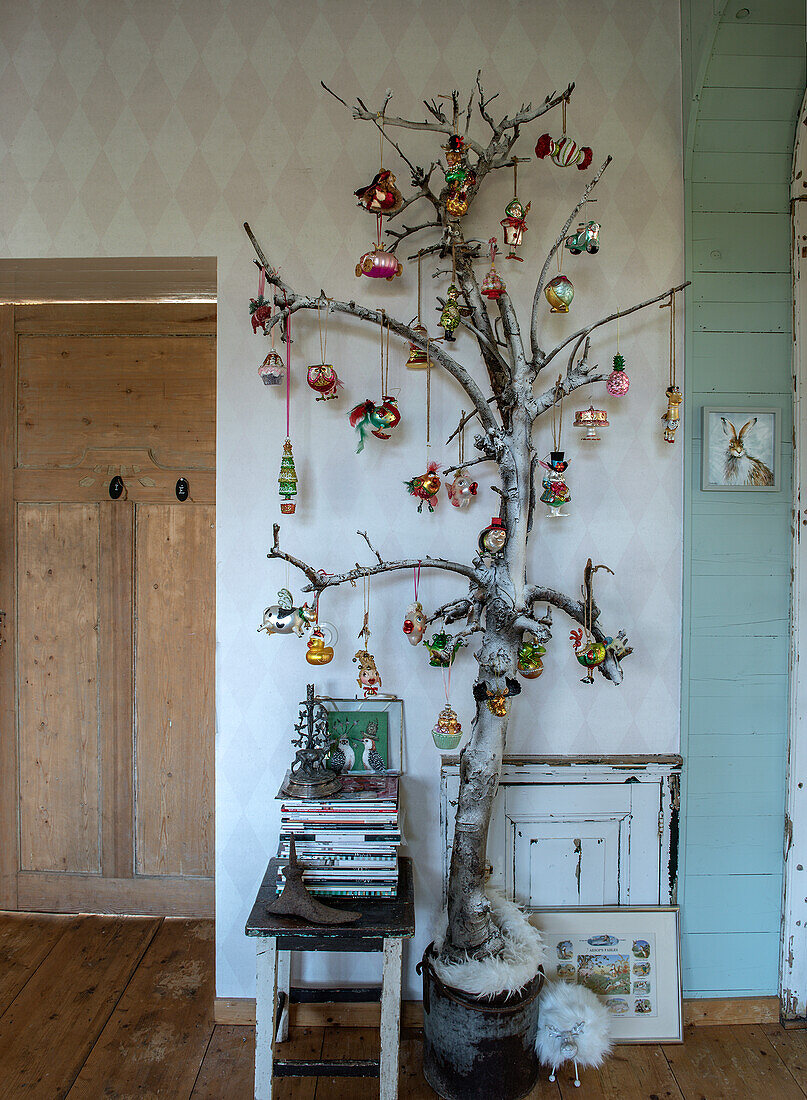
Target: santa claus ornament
[563,151]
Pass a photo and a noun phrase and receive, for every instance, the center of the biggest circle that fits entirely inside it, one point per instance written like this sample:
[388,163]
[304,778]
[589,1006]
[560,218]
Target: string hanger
[323,338]
[670,305]
[365,627]
[420,256]
[557,414]
[384,355]
[461,439]
[428,399]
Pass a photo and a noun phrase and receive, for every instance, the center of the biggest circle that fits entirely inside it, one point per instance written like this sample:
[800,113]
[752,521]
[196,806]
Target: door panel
[174,688]
[79,392]
[57,639]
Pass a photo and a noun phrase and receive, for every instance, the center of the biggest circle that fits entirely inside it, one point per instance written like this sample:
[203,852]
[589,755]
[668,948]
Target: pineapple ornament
[618,382]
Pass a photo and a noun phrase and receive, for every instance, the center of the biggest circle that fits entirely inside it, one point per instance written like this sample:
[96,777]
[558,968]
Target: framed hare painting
[741,449]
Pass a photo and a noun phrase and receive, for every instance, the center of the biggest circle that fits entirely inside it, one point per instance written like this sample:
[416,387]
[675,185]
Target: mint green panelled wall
[743,86]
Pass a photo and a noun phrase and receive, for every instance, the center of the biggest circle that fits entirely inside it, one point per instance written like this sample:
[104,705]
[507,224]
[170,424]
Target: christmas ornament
[447,731]
[272,370]
[530,652]
[618,382]
[450,317]
[378,419]
[591,419]
[494,538]
[443,649]
[559,293]
[460,178]
[461,489]
[563,151]
[321,643]
[418,357]
[672,417]
[496,698]
[369,678]
[492,286]
[414,624]
[378,264]
[587,237]
[381,196]
[589,652]
[574,1025]
[287,480]
[514,222]
[260,308]
[322,378]
[426,487]
[556,492]
[284,618]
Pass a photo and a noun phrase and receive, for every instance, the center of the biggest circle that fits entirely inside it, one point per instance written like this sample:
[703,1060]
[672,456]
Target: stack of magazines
[347,844]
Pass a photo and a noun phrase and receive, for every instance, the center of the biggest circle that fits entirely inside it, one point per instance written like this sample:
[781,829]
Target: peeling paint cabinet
[579,832]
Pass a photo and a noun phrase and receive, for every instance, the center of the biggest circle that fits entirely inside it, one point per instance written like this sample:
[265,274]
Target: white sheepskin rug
[573,1026]
[507,972]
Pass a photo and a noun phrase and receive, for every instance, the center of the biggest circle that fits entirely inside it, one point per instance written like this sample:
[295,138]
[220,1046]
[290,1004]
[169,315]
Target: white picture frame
[392,706]
[634,963]
[750,440]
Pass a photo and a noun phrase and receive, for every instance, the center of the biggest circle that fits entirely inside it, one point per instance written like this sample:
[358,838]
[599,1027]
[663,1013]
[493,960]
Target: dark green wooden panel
[758,40]
[740,168]
[742,317]
[741,198]
[721,135]
[740,242]
[737,287]
[740,362]
[750,104]
[752,73]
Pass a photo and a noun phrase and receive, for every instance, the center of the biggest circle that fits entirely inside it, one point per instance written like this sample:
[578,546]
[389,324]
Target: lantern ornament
[618,382]
[492,285]
[287,481]
[272,370]
[494,538]
[559,293]
[514,226]
[447,730]
[591,419]
[418,357]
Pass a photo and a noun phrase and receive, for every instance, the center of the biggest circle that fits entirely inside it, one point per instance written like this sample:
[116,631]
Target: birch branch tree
[501,601]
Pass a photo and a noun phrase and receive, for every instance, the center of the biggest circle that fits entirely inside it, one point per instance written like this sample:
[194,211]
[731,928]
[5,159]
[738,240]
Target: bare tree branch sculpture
[501,604]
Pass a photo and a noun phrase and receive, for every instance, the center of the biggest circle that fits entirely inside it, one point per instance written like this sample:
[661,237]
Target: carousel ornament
[272,370]
[287,481]
[563,151]
[559,293]
[591,419]
[617,382]
[426,487]
[494,537]
[586,238]
[530,652]
[492,285]
[447,731]
[443,649]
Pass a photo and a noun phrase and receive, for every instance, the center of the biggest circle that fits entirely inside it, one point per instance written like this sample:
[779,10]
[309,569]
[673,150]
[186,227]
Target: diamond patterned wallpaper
[157,127]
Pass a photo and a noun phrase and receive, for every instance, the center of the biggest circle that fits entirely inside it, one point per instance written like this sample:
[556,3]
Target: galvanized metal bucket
[474,1049]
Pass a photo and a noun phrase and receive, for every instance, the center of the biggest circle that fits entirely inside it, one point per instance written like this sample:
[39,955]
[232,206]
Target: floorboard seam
[207,1048]
[112,1011]
[36,968]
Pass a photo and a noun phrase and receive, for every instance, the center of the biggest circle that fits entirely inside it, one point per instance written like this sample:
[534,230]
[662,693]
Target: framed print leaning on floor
[741,449]
[629,955]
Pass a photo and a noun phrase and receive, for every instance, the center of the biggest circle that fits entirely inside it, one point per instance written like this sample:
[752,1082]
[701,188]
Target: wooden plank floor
[121,1007]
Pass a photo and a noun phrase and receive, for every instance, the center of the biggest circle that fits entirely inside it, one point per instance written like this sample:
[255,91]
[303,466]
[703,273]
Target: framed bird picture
[366,735]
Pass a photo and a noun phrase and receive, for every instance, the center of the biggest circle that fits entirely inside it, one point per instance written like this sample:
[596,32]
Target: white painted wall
[155,129]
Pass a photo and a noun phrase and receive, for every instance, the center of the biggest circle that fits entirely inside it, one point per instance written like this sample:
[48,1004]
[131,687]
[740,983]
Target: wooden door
[107,608]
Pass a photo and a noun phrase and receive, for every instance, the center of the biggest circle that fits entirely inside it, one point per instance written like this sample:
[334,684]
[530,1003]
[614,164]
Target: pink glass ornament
[618,382]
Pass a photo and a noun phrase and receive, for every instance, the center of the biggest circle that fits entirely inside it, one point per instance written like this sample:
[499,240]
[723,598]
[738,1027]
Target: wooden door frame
[54,891]
[793,961]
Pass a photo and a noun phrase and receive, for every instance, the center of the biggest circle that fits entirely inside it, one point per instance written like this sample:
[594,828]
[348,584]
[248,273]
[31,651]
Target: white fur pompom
[573,1026]
[510,970]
